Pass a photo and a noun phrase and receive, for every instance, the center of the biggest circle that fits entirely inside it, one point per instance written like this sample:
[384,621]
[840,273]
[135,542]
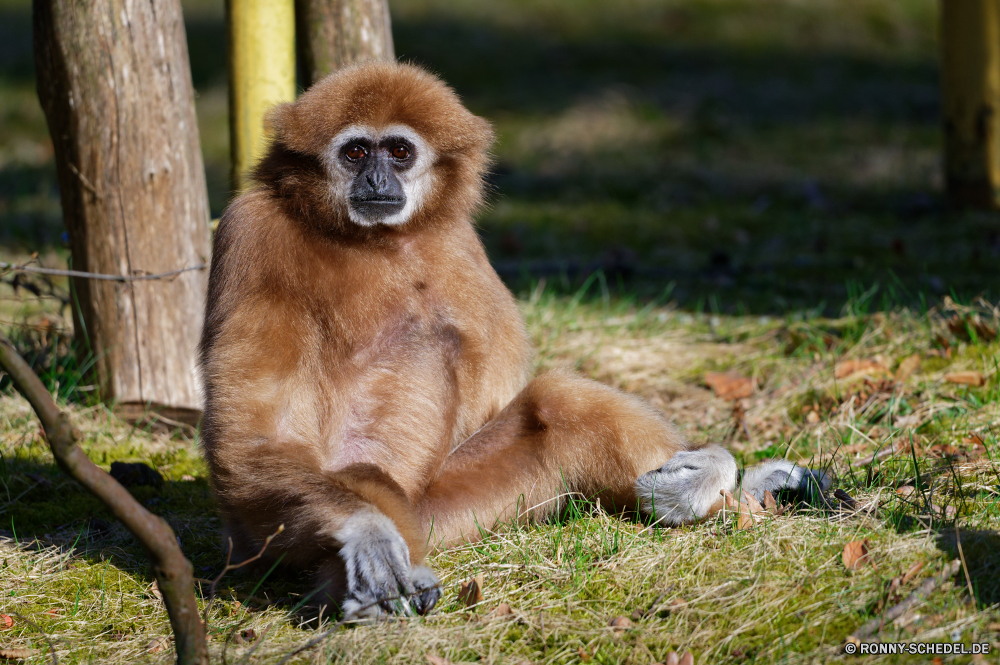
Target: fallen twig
[45,636]
[172,570]
[894,612]
[965,567]
[235,566]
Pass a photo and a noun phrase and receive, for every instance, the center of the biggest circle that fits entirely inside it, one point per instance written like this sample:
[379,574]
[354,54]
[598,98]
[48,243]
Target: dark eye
[355,152]
[400,152]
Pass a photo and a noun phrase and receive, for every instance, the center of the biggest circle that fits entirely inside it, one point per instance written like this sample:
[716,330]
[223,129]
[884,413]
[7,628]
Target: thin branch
[965,567]
[97,275]
[236,566]
[894,612]
[52,647]
[173,572]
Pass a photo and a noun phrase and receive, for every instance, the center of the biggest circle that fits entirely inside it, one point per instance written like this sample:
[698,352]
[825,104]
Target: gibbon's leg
[563,434]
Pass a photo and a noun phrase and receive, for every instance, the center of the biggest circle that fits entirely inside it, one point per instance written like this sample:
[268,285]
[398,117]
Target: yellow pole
[261,74]
[970,81]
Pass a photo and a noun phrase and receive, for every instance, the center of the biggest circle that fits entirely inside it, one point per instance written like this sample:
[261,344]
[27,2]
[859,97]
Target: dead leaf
[471,592]
[748,510]
[975,438]
[502,610]
[970,378]
[963,327]
[907,367]
[16,654]
[6,621]
[855,554]
[52,612]
[729,385]
[434,659]
[770,504]
[675,605]
[912,572]
[852,367]
[248,636]
[620,624]
[943,450]
[157,645]
[752,503]
[583,654]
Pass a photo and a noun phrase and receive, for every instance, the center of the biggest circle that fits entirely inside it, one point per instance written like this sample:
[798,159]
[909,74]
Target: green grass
[703,185]
[778,593]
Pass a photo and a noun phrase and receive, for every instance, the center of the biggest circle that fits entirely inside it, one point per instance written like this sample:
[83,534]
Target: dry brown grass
[778,593]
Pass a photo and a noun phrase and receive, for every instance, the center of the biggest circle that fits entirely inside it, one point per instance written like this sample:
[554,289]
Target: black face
[376,192]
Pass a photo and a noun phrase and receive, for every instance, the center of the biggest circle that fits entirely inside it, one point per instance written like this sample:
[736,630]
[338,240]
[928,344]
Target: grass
[704,185]
[778,593]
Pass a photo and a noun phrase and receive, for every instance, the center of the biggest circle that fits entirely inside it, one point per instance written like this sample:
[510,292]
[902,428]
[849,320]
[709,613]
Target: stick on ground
[894,612]
[173,572]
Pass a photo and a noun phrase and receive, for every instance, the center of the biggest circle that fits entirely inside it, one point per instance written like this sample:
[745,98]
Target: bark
[115,84]
[334,33]
[172,570]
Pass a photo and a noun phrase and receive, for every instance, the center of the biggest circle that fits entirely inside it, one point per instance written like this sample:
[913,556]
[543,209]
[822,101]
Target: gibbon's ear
[283,125]
[476,135]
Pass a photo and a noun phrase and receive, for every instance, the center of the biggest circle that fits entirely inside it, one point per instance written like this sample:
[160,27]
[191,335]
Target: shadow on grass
[981,550]
[750,200]
[44,508]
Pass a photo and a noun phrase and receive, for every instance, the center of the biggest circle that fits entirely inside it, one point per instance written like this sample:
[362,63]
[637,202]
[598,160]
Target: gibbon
[368,376]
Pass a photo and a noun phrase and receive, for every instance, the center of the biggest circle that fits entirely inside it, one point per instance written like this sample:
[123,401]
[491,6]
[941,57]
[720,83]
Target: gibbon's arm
[265,432]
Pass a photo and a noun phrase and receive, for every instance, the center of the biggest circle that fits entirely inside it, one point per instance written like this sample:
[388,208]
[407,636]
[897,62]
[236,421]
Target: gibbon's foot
[687,486]
[778,475]
[380,578]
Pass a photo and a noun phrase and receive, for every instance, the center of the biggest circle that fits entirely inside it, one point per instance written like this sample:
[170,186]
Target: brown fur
[348,367]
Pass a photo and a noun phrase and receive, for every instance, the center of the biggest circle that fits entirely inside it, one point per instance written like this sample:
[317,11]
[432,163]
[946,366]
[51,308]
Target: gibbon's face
[383,175]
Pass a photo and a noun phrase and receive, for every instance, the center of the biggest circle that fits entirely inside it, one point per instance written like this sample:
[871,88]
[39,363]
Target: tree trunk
[115,84]
[333,33]
[970,81]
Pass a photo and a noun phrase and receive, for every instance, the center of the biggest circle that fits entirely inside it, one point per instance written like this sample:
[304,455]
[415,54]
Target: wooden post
[970,78]
[261,74]
[115,84]
[333,33]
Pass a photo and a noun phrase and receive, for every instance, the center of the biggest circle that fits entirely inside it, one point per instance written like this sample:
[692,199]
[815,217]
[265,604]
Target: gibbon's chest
[412,298]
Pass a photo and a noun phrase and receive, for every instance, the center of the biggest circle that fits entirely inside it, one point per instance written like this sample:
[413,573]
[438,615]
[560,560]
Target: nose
[377,179]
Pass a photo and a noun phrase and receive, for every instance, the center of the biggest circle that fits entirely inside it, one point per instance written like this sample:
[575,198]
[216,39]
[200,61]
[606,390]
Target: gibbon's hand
[379,575]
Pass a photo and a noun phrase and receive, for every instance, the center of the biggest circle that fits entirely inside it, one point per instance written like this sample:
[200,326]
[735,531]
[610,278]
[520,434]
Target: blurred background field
[761,156]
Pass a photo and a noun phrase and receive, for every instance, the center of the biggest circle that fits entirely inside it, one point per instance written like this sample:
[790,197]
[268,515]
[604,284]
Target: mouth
[385,200]
[378,206]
